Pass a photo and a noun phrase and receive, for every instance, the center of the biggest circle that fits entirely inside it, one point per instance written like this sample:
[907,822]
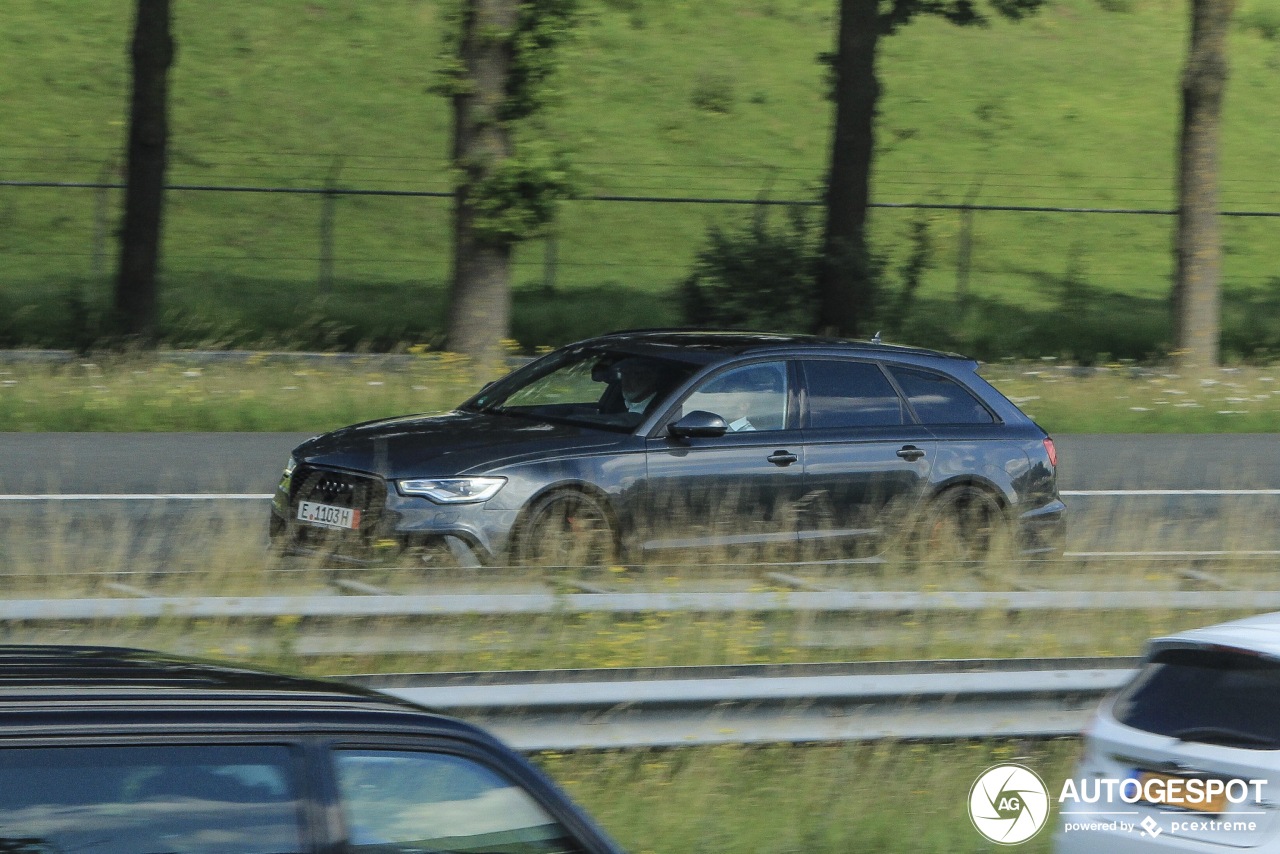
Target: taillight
[1051,451]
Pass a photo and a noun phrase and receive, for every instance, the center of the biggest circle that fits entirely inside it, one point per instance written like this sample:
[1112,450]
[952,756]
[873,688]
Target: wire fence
[311,224]
[319,244]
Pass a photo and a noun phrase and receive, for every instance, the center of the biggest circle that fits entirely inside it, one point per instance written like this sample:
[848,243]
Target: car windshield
[588,387]
[1207,695]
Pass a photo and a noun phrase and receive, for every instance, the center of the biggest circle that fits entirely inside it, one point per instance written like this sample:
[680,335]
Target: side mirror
[699,424]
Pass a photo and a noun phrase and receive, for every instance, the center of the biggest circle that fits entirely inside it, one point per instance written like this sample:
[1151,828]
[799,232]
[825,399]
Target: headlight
[290,466]
[453,490]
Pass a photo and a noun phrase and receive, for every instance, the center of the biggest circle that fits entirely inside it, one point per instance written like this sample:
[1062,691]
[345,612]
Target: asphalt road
[142,463]
[139,463]
[1140,493]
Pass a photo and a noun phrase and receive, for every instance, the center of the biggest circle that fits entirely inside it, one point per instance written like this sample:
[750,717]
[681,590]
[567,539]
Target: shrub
[760,276]
[1262,17]
[713,93]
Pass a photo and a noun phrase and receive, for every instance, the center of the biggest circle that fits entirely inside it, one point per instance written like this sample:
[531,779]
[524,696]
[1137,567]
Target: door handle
[782,458]
[910,453]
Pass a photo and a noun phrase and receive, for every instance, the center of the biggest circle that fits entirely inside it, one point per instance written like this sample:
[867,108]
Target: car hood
[453,443]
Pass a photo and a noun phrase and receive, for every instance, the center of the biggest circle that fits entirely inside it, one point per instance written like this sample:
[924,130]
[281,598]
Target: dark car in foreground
[643,444]
[117,751]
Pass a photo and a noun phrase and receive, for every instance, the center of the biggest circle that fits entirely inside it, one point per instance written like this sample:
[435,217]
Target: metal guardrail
[508,604]
[668,707]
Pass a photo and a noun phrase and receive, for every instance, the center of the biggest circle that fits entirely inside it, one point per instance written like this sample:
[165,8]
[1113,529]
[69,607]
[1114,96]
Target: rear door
[867,461]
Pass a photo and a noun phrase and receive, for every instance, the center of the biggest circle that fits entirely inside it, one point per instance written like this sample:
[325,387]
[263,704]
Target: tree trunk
[480,295]
[152,54]
[845,286]
[1197,288]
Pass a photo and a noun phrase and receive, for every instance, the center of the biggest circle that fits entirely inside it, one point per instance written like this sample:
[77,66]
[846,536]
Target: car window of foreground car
[412,800]
[588,387]
[154,798]
[1224,697]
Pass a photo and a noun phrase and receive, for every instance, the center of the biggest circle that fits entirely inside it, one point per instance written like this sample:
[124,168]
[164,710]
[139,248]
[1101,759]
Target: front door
[730,497]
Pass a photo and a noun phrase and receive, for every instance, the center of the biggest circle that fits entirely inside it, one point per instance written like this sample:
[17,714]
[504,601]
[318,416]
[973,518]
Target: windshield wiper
[1225,736]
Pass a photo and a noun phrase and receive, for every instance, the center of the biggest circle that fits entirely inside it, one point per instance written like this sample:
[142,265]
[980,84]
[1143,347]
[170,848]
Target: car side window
[203,799]
[939,400]
[421,801]
[843,394]
[750,398]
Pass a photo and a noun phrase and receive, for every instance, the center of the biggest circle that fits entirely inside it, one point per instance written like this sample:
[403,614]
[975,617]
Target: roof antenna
[875,339]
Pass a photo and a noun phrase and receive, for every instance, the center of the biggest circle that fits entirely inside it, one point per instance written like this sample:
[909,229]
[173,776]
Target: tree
[1197,286]
[152,53]
[505,193]
[846,295]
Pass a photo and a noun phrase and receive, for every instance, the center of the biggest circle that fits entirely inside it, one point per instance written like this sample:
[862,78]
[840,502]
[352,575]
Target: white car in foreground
[1186,757]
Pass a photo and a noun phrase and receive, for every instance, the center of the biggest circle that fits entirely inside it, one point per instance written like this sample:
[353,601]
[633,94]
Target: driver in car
[638,381]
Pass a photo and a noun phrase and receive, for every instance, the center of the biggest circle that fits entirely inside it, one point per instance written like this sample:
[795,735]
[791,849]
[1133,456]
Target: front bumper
[390,524]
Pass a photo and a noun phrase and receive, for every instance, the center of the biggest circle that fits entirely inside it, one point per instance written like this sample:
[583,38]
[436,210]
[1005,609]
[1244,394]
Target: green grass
[815,799]
[142,392]
[1076,106]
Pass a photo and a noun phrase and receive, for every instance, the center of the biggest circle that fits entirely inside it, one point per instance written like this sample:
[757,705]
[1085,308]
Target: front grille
[339,489]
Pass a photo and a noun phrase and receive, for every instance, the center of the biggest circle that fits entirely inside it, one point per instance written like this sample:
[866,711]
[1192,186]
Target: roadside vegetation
[261,392]
[808,799]
[824,798]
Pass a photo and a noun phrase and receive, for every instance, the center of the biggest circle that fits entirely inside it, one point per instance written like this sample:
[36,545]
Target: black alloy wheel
[964,524]
[567,528]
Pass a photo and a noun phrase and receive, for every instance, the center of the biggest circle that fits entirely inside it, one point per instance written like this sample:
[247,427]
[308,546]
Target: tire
[567,528]
[964,524]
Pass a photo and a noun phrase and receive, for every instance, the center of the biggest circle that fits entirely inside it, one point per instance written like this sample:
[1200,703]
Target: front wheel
[964,524]
[567,529]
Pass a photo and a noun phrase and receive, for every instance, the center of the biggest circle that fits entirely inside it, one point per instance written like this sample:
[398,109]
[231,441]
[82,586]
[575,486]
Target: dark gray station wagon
[116,751]
[638,445]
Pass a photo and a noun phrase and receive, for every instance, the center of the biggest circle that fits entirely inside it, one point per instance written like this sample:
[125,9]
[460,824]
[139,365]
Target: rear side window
[127,800]
[1212,696]
[850,394]
[400,800]
[939,400]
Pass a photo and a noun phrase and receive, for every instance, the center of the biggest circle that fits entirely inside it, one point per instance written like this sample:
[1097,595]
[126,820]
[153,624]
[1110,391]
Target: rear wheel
[569,529]
[964,524]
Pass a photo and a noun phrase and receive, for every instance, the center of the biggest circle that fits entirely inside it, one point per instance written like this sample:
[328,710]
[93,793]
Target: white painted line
[122,496]
[1144,493]
[234,496]
[1253,553]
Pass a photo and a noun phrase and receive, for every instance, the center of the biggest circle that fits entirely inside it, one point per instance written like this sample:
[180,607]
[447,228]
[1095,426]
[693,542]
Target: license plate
[328,516]
[1171,790]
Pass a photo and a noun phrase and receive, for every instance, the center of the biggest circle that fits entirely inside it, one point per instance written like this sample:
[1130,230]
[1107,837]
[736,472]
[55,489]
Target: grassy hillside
[1076,107]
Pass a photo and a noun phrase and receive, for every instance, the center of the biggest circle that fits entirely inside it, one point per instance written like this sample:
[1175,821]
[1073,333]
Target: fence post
[101,213]
[550,252]
[964,253]
[964,256]
[328,202]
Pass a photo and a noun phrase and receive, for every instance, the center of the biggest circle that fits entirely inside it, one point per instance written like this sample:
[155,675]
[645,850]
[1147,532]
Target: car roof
[738,342]
[1259,634]
[89,687]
